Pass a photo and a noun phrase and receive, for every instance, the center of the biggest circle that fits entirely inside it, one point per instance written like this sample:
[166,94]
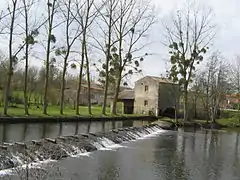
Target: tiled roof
[161,80]
[93,87]
[126,94]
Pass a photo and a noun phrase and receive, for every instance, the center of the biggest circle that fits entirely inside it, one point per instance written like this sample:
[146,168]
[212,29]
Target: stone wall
[146,96]
[168,96]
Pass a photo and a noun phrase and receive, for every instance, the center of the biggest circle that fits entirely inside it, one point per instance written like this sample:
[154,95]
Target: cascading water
[18,154]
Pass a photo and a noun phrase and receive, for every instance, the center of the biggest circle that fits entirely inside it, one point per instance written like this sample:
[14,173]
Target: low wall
[18,153]
[12,120]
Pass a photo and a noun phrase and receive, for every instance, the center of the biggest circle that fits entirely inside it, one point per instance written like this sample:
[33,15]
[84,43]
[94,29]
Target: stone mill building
[152,96]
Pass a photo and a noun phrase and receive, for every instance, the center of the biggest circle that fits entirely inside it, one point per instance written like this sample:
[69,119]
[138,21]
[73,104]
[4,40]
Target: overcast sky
[227,18]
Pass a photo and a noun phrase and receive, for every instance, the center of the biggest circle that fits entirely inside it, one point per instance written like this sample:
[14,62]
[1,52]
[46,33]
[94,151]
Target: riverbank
[52,119]
[16,115]
[166,125]
[194,124]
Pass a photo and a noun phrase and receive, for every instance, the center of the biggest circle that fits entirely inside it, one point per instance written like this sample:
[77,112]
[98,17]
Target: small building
[96,95]
[230,101]
[127,99]
[155,96]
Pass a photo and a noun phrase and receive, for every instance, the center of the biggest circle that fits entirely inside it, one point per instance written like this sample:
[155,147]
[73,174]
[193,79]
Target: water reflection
[27,132]
[208,155]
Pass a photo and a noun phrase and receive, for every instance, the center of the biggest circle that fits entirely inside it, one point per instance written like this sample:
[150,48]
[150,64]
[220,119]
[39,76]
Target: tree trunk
[80,75]
[213,104]
[207,98]
[84,31]
[213,115]
[26,62]
[176,110]
[45,99]
[69,46]
[10,67]
[50,26]
[185,103]
[114,106]
[122,64]
[74,105]
[63,84]
[207,106]
[26,83]
[105,88]
[107,63]
[7,90]
[88,82]
[176,118]
[29,96]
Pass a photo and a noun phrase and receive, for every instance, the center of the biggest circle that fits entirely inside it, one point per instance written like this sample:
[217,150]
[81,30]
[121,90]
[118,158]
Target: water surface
[36,131]
[171,155]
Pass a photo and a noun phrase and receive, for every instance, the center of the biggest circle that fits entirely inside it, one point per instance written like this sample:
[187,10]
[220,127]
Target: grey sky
[227,17]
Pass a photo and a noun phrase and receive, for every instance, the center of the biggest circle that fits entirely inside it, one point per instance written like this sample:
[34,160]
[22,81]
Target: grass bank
[53,111]
[229,118]
[180,122]
[226,123]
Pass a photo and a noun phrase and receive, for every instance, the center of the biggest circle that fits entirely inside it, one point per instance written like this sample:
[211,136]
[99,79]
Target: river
[35,131]
[169,155]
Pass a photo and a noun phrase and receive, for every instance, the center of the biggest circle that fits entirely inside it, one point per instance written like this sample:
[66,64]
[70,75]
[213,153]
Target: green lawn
[229,118]
[18,111]
[53,111]
[230,122]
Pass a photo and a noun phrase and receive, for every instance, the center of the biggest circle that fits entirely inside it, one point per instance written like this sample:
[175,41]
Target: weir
[35,151]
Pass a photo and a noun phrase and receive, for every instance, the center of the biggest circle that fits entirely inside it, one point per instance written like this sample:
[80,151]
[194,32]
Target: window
[146,88]
[145,103]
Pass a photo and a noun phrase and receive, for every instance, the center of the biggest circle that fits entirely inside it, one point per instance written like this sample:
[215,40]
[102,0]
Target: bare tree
[107,20]
[85,17]
[188,38]
[88,79]
[12,58]
[29,39]
[135,20]
[235,78]
[51,6]
[72,33]
[213,85]
[219,87]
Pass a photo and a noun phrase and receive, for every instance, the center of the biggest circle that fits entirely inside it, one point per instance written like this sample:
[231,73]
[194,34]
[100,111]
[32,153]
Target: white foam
[97,145]
[87,154]
[6,172]
[112,147]
[105,149]
[13,171]
[154,134]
